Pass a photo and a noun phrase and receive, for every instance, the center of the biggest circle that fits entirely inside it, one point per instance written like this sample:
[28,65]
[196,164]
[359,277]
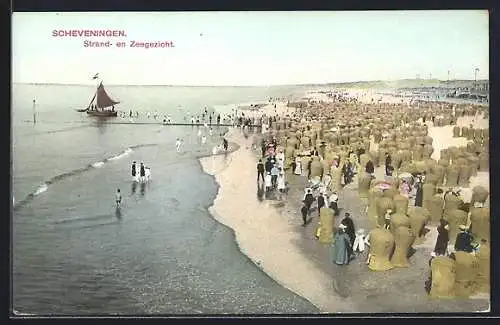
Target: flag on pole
[96,76]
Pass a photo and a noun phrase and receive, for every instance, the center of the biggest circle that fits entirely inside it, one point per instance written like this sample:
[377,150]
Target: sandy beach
[270,233]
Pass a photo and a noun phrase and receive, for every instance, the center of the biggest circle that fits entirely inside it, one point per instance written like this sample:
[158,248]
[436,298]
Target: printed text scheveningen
[88,33]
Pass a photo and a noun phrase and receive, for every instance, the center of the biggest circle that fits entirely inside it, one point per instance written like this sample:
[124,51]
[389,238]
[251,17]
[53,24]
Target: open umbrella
[405,176]
[383,186]
[315,181]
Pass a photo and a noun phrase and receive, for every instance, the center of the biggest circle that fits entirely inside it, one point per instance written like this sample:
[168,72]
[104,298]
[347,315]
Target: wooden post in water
[34,112]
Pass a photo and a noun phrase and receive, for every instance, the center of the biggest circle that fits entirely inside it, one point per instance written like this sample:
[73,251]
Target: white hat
[389,211]
[342,226]
[360,231]
[462,227]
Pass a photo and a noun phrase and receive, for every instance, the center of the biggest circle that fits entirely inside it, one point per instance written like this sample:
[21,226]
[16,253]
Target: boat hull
[103,113]
[82,110]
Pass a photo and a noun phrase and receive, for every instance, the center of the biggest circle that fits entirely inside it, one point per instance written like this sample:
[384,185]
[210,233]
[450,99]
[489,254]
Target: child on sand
[268,182]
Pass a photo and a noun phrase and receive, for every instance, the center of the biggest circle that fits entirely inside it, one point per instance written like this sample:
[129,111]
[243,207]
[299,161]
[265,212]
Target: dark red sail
[103,99]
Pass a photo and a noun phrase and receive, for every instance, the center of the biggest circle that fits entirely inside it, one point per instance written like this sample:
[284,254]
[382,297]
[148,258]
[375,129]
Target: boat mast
[92,100]
[95,94]
[99,82]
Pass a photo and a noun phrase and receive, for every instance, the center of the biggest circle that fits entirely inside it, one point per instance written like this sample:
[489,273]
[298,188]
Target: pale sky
[253,48]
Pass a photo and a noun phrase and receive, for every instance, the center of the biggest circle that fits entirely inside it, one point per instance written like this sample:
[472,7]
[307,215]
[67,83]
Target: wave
[41,189]
[121,155]
[45,186]
[18,313]
[91,218]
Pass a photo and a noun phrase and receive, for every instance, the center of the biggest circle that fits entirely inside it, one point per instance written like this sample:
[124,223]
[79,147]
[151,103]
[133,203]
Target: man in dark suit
[321,202]
[260,170]
[308,200]
[464,240]
[388,162]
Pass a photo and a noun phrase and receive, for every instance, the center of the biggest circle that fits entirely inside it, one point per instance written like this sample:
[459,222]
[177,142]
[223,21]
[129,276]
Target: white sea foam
[123,154]
[17,313]
[42,188]
[98,164]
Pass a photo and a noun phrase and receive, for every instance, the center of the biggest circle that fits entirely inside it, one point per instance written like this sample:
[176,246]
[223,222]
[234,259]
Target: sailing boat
[100,103]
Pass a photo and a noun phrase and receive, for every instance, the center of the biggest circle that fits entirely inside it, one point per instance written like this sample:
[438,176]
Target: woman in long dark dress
[370,168]
[419,195]
[442,239]
[335,207]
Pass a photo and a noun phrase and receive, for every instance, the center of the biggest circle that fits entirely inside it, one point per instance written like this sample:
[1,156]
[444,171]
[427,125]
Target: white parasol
[405,175]
[315,181]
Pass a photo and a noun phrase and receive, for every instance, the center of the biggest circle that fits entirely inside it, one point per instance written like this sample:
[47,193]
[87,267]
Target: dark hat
[347,214]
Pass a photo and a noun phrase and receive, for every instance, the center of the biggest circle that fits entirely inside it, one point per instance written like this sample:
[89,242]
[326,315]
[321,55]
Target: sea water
[161,253]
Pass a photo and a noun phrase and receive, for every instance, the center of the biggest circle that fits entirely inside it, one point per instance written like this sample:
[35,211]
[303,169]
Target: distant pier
[174,124]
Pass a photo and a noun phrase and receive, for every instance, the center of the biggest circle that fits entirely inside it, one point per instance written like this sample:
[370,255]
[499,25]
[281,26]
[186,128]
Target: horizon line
[278,85]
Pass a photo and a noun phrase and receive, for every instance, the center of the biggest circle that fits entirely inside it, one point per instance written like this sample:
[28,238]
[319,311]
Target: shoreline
[265,246]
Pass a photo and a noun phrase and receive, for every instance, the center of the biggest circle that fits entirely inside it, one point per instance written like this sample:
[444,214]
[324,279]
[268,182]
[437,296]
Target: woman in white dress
[360,241]
[281,156]
[281,163]
[298,166]
[281,182]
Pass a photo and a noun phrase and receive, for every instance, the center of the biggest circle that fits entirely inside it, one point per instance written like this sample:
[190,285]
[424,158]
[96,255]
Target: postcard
[229,163]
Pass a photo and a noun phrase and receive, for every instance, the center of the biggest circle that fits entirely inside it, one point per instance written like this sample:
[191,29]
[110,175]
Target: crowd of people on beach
[272,174]
[236,117]
[272,171]
[348,241]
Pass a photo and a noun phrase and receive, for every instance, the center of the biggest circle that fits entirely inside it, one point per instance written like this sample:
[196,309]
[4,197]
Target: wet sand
[263,234]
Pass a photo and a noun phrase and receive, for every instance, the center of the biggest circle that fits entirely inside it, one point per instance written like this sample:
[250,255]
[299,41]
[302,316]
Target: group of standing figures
[143,175]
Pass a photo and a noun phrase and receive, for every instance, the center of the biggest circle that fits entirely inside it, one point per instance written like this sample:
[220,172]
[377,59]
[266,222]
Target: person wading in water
[143,172]
[118,198]
[134,170]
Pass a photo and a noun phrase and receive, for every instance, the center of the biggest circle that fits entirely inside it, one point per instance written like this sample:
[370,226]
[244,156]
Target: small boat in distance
[100,104]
